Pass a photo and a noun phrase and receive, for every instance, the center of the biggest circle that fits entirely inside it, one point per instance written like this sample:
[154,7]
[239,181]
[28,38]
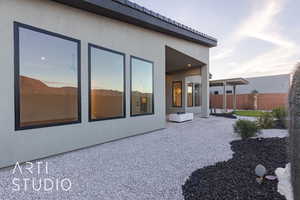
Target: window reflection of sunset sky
[141,76]
[49,59]
[107,70]
[54,61]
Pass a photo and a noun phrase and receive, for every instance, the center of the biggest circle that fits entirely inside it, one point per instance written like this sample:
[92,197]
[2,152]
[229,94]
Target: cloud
[223,54]
[273,62]
[261,25]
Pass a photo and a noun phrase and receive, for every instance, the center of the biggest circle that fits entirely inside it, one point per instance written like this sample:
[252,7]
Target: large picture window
[47,78]
[142,98]
[107,99]
[190,94]
[177,94]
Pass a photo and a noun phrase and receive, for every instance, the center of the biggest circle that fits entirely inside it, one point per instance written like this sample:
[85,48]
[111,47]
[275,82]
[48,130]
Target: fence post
[255,101]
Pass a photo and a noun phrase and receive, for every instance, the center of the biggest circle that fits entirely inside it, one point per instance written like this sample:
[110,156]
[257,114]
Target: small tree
[254,91]
[280,115]
[294,130]
[246,128]
[265,121]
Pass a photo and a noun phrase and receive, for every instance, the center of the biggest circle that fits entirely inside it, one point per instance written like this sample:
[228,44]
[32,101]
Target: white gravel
[274,133]
[151,166]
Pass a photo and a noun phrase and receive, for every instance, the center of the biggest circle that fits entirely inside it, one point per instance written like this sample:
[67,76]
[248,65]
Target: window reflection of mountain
[30,85]
[106,103]
[41,104]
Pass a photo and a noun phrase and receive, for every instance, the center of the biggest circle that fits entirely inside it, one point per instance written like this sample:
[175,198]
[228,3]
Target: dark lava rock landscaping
[235,179]
[226,115]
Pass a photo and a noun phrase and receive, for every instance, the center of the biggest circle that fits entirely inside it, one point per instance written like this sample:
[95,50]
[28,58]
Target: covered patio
[187,86]
[234,82]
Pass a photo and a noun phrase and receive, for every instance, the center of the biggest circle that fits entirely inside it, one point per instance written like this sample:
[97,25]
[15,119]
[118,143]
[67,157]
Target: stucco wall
[87,27]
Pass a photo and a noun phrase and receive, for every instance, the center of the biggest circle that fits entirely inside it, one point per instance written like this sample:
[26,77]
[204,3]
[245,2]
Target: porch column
[205,91]
[234,97]
[224,97]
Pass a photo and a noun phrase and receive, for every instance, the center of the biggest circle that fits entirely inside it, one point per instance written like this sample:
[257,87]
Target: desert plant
[280,114]
[265,121]
[246,128]
[294,131]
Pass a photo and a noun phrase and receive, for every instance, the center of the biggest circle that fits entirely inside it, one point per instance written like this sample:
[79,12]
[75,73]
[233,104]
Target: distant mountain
[141,93]
[34,86]
[27,82]
[106,92]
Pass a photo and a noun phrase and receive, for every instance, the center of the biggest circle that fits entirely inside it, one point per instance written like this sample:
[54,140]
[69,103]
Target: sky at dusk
[49,59]
[141,75]
[107,70]
[256,37]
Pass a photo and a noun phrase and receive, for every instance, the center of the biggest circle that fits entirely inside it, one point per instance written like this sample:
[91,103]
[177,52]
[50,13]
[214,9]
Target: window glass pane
[190,95]
[107,84]
[48,67]
[177,93]
[197,95]
[141,87]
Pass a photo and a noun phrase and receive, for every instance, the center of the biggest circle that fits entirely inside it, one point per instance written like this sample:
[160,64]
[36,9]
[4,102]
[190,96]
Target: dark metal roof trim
[126,11]
[231,81]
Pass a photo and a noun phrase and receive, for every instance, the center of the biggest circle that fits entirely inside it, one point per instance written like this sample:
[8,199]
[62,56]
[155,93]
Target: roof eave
[231,81]
[121,12]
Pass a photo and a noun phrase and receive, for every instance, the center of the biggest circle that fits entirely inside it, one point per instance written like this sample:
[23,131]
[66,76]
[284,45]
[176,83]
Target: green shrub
[265,121]
[280,114]
[246,128]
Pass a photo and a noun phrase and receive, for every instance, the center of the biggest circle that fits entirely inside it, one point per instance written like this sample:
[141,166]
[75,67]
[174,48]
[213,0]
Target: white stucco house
[84,72]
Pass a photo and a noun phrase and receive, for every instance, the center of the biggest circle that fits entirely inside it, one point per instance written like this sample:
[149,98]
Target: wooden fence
[247,101]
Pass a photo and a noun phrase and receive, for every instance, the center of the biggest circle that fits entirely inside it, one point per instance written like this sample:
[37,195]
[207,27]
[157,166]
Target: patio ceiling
[177,61]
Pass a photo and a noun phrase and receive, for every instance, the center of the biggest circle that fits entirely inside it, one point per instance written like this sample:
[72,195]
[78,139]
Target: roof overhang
[177,61]
[232,81]
[132,13]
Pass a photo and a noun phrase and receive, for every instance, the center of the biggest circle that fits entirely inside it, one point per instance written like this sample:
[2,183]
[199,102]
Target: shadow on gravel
[235,179]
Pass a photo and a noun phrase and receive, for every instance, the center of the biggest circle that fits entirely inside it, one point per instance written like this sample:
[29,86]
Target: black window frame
[173,103]
[90,46]
[17,26]
[187,95]
[216,92]
[153,88]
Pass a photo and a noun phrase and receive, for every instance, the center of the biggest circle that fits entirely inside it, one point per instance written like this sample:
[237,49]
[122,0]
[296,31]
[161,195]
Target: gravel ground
[235,178]
[146,167]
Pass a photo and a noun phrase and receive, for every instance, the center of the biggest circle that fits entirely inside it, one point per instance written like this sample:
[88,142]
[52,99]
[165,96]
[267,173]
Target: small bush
[280,114]
[246,128]
[265,121]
